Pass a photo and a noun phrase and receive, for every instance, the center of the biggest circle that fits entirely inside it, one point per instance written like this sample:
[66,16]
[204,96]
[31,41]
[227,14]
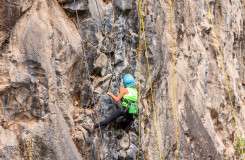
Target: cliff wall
[55,71]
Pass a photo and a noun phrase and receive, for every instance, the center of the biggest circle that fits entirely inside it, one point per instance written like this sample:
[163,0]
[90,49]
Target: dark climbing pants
[115,115]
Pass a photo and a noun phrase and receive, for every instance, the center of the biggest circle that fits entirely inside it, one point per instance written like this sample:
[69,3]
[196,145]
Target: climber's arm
[119,97]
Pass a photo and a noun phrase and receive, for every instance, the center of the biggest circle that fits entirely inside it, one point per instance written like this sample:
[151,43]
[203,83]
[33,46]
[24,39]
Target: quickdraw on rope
[175,104]
[226,80]
[142,22]
[86,65]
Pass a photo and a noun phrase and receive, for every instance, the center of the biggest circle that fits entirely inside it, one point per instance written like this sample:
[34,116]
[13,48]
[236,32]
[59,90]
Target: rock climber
[128,95]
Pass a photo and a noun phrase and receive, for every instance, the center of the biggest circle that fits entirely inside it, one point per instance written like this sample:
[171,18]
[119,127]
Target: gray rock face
[109,19]
[55,73]
[86,95]
[38,121]
[79,5]
[9,144]
[124,142]
[124,5]
[10,12]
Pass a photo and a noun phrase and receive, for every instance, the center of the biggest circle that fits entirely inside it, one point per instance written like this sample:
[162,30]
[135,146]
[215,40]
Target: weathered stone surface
[109,19]
[39,46]
[101,65]
[10,12]
[48,138]
[55,73]
[124,4]
[86,95]
[9,144]
[131,152]
[122,155]
[79,5]
[124,142]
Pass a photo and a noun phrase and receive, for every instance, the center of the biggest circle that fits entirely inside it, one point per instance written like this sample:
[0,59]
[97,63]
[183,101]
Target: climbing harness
[86,66]
[142,21]
[129,101]
[175,104]
[225,79]
[132,108]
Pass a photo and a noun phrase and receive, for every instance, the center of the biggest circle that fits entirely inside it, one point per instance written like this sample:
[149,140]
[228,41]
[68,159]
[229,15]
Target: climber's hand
[109,93]
[118,98]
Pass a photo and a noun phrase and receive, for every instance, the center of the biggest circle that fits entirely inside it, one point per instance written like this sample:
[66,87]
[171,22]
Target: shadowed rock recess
[53,71]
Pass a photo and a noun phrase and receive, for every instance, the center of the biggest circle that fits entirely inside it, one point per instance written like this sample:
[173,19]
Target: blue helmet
[128,80]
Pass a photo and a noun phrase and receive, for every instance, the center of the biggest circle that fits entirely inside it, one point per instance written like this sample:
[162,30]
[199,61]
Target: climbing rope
[226,79]
[142,21]
[175,104]
[139,85]
[86,66]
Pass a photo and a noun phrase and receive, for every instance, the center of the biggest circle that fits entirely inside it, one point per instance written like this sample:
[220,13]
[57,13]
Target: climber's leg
[112,117]
[130,121]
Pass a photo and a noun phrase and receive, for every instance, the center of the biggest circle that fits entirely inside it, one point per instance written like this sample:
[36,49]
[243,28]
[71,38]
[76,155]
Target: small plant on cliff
[241,145]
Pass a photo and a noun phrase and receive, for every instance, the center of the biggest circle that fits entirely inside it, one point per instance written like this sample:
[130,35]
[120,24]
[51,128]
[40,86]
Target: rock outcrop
[55,71]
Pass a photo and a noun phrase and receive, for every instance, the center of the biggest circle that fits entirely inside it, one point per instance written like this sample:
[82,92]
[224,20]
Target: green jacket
[130,99]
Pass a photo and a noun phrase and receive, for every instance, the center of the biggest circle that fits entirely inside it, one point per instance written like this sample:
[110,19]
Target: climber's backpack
[129,101]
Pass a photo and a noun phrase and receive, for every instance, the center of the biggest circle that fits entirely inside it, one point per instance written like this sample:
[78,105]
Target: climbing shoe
[79,121]
[88,128]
